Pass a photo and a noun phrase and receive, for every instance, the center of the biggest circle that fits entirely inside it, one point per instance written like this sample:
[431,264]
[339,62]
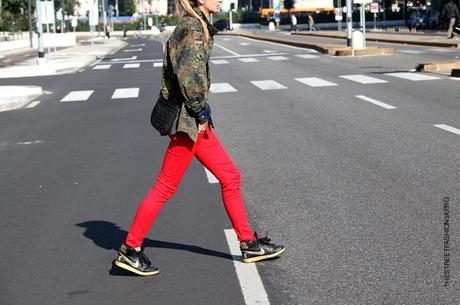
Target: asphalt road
[354,190]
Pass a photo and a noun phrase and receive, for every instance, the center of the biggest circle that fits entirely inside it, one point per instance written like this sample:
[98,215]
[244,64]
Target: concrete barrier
[14,44]
[57,40]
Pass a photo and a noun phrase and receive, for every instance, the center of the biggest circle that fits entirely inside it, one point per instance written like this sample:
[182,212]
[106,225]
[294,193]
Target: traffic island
[13,97]
[447,67]
[331,49]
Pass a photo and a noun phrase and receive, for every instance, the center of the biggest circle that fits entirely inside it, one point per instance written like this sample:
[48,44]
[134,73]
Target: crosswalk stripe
[137,45]
[133,50]
[157,64]
[125,93]
[268,85]
[131,66]
[277,58]
[221,88]
[219,61]
[77,96]
[102,67]
[33,104]
[307,56]
[245,43]
[123,59]
[442,50]
[375,102]
[227,39]
[211,178]
[410,51]
[248,59]
[363,79]
[413,76]
[315,82]
[448,128]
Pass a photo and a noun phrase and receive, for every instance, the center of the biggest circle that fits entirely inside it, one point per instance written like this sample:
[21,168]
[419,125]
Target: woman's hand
[203,127]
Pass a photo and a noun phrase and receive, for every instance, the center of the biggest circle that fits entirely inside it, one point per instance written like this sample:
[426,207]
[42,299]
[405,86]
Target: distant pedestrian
[293,23]
[107,31]
[125,31]
[450,14]
[182,112]
[311,23]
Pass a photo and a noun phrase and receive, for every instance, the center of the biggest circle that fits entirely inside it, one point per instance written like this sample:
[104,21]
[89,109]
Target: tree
[130,7]
[288,4]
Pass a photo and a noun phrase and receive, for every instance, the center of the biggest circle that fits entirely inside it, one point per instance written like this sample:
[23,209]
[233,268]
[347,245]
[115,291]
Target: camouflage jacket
[186,78]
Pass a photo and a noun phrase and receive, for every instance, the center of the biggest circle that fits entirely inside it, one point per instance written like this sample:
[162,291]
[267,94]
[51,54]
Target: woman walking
[183,113]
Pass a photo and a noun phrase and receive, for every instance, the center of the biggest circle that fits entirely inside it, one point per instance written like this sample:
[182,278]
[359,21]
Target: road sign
[150,21]
[338,14]
[374,7]
[47,12]
[94,14]
[74,22]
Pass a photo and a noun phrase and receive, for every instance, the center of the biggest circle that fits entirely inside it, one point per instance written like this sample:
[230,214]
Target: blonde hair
[185,7]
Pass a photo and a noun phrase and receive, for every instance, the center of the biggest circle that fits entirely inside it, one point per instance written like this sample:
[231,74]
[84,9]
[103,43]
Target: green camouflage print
[186,71]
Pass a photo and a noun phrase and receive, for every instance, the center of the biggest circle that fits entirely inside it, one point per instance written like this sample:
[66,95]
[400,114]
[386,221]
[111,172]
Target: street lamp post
[29,6]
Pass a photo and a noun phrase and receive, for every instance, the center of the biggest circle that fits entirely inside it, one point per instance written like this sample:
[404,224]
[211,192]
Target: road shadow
[109,236]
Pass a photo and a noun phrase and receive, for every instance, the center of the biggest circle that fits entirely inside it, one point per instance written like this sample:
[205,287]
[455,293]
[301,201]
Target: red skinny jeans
[210,152]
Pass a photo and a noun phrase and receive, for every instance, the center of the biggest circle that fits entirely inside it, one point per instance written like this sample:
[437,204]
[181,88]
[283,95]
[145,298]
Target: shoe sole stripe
[263,257]
[129,268]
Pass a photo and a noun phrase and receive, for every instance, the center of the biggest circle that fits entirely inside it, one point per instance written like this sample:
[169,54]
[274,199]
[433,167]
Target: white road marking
[244,43]
[315,82]
[221,88]
[157,64]
[219,61]
[227,39]
[375,102]
[33,104]
[211,178]
[102,67]
[29,142]
[448,128]
[268,85]
[133,50]
[249,59]
[363,79]
[277,58]
[227,50]
[123,59]
[76,96]
[137,45]
[282,45]
[270,51]
[307,56]
[410,51]
[251,285]
[125,93]
[442,50]
[412,76]
[131,66]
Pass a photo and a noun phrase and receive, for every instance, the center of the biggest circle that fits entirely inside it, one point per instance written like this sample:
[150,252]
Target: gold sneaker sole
[263,257]
[129,268]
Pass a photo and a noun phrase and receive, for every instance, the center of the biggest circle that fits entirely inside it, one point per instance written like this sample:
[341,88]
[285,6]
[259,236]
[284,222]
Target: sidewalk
[67,60]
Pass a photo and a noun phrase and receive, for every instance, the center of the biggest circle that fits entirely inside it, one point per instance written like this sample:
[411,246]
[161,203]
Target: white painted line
[219,61]
[251,285]
[157,64]
[315,82]
[307,56]
[375,102]
[29,142]
[448,128]
[222,88]
[227,39]
[123,59]
[442,50]
[211,178]
[227,50]
[363,79]
[268,85]
[33,104]
[244,43]
[131,66]
[270,51]
[137,45]
[102,67]
[277,58]
[76,96]
[125,93]
[412,76]
[133,50]
[249,59]
[410,51]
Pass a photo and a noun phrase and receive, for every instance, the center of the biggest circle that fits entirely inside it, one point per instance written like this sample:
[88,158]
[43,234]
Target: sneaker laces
[144,257]
[264,240]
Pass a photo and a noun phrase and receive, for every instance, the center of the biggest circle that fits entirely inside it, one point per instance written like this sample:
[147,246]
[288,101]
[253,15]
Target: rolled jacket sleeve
[188,57]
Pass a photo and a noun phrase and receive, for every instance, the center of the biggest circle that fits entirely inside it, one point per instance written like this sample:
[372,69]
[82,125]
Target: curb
[12,101]
[335,50]
[389,40]
[447,66]
[455,73]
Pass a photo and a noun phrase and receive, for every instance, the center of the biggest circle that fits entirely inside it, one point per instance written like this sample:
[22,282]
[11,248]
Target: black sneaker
[134,260]
[259,249]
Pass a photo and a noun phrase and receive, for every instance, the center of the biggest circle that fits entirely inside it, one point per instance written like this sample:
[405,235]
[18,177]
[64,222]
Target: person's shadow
[109,236]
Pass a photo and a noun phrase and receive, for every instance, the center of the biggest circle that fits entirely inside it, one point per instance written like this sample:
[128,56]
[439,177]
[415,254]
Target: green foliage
[288,4]
[130,7]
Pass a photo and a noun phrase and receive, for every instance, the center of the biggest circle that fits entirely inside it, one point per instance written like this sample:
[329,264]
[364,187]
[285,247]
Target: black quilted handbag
[163,115]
